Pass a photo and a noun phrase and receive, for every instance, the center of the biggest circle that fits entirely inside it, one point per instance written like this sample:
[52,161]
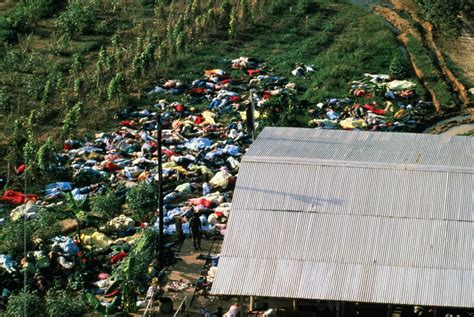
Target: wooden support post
[241,303]
[435,312]
[389,310]
[294,305]
[338,309]
[252,304]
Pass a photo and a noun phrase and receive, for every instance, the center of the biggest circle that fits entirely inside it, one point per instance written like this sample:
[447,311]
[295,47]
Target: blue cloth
[232,150]
[66,244]
[63,186]
[198,143]
[211,155]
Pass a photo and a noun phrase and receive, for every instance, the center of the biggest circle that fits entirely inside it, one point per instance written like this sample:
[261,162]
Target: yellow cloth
[351,123]
[243,114]
[214,72]
[400,114]
[96,240]
[174,166]
[130,239]
[204,170]
[209,116]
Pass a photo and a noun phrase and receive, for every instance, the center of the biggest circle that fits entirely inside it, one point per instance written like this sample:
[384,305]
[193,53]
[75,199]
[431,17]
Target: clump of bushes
[61,304]
[141,200]
[25,304]
[78,18]
[106,205]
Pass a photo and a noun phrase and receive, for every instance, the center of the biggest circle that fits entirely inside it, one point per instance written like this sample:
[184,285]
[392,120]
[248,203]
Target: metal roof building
[353,216]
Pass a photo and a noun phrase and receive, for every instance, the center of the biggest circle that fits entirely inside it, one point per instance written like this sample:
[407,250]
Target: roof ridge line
[357,164]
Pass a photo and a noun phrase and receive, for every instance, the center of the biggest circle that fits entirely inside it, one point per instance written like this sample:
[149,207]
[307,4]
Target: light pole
[160,193]
[251,114]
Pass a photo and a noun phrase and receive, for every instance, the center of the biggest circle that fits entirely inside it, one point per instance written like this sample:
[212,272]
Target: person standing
[196,228]
[179,232]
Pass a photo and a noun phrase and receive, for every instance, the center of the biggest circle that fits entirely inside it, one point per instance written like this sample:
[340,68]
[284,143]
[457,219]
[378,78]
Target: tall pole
[251,115]
[160,193]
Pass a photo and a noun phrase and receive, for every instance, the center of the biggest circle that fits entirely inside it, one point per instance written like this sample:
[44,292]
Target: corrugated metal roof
[353,216]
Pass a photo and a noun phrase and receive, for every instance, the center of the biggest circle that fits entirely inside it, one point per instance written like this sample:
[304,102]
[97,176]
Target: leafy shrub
[398,66]
[72,119]
[141,199]
[306,7]
[19,19]
[46,226]
[61,304]
[25,304]
[27,13]
[78,18]
[106,205]
[6,32]
[12,238]
[4,99]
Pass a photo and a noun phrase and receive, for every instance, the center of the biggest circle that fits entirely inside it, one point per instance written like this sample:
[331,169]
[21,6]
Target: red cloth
[112,167]
[234,98]
[373,110]
[253,72]
[21,169]
[168,153]
[179,107]
[199,120]
[199,91]
[67,147]
[118,257]
[226,81]
[127,123]
[266,95]
[219,214]
[111,157]
[16,198]
[201,201]
[113,293]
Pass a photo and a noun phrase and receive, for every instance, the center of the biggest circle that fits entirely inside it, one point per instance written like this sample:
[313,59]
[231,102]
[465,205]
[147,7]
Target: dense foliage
[443,14]
[141,200]
[25,304]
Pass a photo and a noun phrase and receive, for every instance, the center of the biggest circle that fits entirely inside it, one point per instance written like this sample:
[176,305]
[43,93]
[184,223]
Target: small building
[330,216]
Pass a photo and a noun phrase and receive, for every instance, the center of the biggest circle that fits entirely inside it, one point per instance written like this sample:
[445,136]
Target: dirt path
[188,269]
[409,7]
[406,27]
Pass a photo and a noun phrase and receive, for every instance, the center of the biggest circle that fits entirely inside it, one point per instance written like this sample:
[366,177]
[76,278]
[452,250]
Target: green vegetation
[106,205]
[425,63]
[398,66]
[141,200]
[25,304]
[443,14]
[60,303]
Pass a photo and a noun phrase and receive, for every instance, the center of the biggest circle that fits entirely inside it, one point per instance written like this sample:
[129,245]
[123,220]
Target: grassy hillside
[58,54]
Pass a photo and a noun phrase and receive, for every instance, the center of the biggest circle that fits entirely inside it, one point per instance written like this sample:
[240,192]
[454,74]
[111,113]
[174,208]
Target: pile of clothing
[376,102]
